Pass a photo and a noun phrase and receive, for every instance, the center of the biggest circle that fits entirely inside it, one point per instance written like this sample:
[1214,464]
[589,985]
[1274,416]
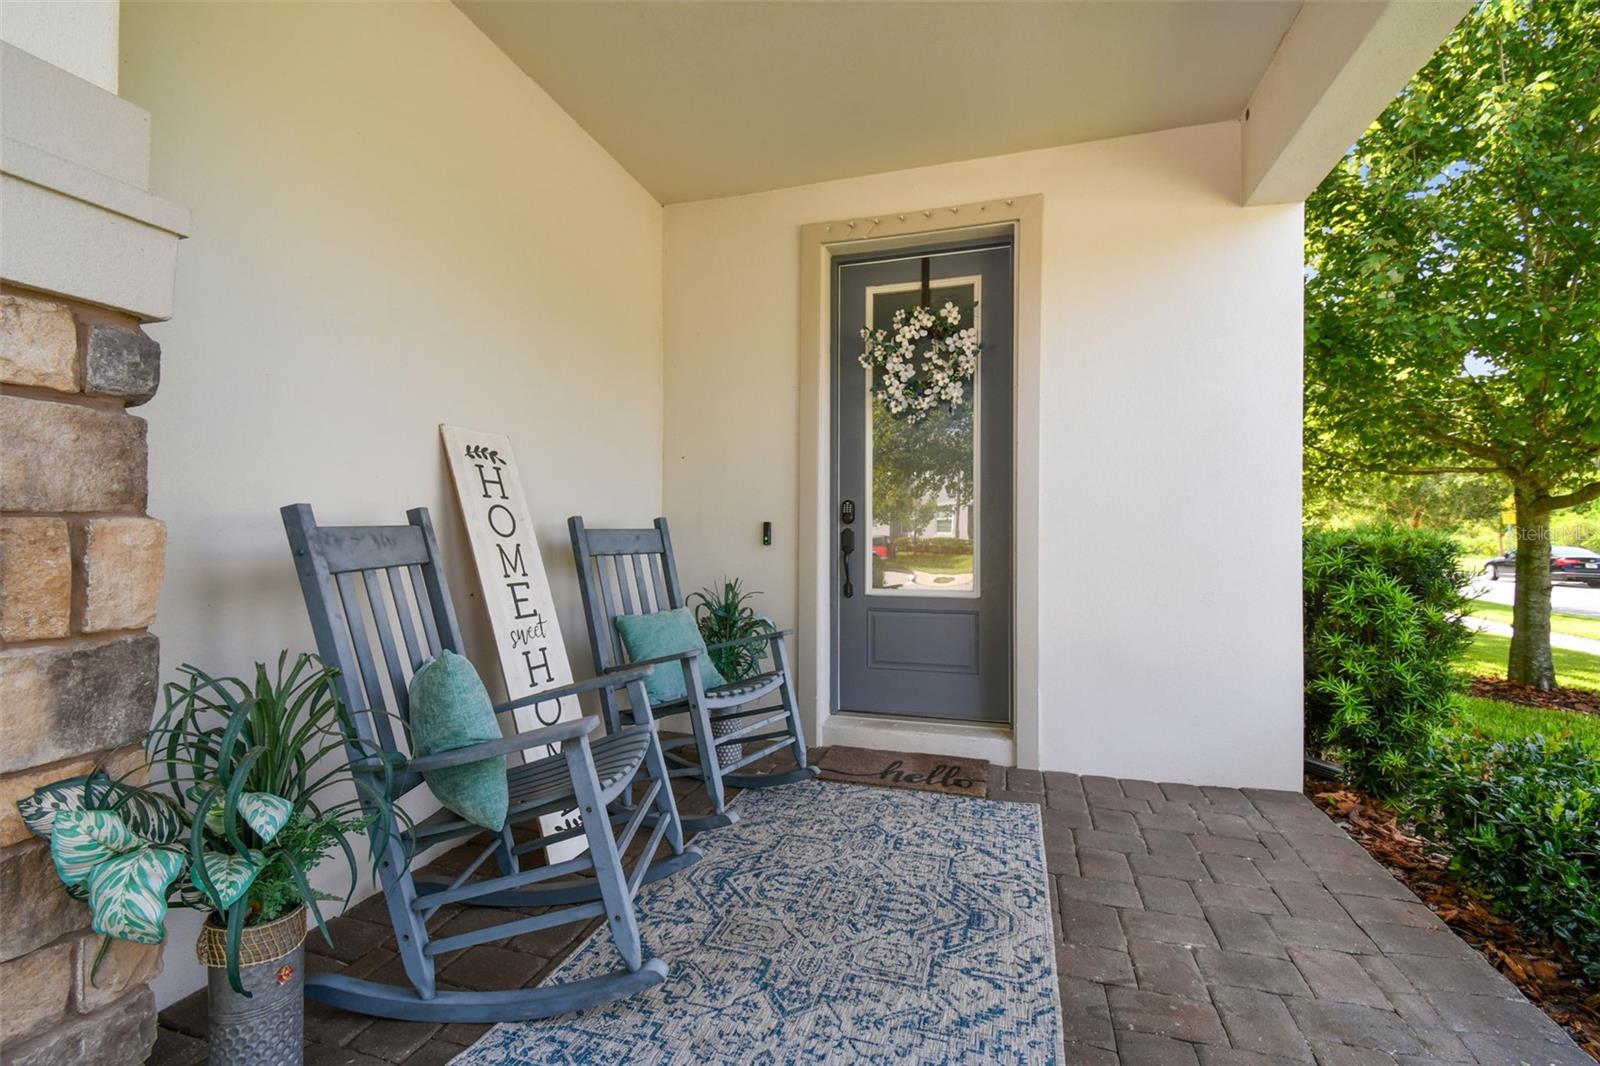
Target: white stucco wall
[393,228]
[79,36]
[1170,444]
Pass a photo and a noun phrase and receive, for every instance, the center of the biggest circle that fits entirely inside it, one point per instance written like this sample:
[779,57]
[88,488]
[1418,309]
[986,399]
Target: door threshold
[990,741]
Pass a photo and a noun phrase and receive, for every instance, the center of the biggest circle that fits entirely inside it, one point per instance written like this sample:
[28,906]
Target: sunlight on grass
[1508,721]
[1573,625]
[1486,657]
[929,563]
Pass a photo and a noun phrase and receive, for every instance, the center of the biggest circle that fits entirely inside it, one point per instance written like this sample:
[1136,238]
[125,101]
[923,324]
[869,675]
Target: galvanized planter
[268,1027]
[730,754]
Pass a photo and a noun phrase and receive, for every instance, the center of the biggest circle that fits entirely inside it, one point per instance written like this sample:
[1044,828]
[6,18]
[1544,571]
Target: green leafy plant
[1382,631]
[251,791]
[724,615]
[1452,312]
[1522,822]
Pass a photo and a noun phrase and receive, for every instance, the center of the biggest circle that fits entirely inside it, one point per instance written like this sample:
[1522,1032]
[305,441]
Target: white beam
[1335,70]
[79,36]
[77,216]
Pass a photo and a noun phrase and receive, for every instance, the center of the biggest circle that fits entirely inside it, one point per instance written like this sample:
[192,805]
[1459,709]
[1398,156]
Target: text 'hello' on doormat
[952,774]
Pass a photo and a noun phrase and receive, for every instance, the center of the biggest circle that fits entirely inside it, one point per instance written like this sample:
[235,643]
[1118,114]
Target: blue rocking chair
[613,566]
[619,783]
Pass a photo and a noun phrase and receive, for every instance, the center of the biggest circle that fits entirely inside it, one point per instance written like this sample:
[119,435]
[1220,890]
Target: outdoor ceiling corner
[1336,69]
[704,100]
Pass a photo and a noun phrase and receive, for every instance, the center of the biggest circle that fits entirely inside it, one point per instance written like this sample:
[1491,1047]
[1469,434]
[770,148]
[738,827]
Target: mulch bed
[1558,699]
[1539,967]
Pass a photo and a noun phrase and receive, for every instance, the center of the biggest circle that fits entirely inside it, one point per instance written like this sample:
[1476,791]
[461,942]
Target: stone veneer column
[80,570]
[88,255]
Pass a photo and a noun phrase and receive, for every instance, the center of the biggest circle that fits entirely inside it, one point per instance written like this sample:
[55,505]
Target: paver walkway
[1195,926]
[1223,927]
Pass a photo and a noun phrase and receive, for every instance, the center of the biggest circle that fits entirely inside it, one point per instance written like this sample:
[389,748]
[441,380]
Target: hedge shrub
[933,545]
[1383,608]
[1522,820]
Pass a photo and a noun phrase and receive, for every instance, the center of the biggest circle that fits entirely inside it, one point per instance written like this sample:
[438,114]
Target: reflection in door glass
[921,476]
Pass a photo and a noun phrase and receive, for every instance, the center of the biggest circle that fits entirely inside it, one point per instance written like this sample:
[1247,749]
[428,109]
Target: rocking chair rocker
[619,783]
[613,564]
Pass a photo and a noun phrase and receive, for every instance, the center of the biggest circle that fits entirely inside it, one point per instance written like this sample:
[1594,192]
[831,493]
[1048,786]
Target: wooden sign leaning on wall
[516,591]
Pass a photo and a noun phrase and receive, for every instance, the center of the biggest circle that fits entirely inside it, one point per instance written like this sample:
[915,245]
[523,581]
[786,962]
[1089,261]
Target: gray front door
[922,605]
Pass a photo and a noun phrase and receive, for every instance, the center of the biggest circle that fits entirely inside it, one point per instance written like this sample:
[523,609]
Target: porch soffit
[700,100]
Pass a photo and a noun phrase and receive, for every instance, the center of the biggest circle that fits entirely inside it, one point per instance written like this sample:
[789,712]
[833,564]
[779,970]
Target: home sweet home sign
[522,614]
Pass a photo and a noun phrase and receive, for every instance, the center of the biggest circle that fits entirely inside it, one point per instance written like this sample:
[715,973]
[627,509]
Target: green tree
[1432,501]
[916,464]
[1453,283]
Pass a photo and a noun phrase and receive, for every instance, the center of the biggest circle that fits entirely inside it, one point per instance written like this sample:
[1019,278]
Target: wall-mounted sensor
[766,533]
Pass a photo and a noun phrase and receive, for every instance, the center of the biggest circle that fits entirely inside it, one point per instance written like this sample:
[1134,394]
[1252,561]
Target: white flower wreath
[909,383]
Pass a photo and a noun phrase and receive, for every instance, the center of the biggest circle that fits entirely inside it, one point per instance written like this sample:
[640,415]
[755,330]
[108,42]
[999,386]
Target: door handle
[847,547]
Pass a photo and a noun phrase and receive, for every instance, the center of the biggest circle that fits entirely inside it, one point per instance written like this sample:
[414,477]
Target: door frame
[820,242]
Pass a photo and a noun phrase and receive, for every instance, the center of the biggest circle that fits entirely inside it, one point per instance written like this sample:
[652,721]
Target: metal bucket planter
[268,1028]
[730,754]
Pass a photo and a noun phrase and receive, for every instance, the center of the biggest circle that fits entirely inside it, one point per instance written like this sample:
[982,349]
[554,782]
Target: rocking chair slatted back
[359,582]
[359,547]
[380,608]
[632,571]
[623,572]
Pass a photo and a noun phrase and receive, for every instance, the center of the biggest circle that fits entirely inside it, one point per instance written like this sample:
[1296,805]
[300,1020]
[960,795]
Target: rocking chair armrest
[685,656]
[374,764]
[550,734]
[611,679]
[769,635]
[644,666]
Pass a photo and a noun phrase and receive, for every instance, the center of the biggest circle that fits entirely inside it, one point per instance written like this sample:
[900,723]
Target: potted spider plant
[725,615]
[250,791]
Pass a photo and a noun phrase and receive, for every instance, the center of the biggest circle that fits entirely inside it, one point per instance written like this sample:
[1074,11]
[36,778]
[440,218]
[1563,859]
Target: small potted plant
[725,615]
[250,791]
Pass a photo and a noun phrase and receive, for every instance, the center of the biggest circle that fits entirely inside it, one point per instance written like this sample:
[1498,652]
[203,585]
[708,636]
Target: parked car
[1566,564]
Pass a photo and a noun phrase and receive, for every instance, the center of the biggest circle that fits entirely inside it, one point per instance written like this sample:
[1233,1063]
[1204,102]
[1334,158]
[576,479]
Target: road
[1570,599]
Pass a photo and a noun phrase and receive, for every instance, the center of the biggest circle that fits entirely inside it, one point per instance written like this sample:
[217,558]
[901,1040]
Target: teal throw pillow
[650,636]
[451,709]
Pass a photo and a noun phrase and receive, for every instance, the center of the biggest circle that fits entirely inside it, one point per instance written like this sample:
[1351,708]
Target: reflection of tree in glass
[918,466]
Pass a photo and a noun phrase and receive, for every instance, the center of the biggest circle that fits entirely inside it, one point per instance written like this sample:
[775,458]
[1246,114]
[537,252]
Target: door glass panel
[922,484]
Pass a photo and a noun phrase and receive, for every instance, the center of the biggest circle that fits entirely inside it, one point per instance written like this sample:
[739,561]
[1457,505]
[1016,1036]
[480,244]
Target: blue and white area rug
[831,924]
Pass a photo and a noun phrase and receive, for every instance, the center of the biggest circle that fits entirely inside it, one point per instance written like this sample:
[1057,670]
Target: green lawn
[1486,657]
[928,563]
[1508,721]
[1573,625]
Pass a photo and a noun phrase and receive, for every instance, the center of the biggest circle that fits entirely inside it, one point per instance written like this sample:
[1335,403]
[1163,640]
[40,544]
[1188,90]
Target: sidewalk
[1557,640]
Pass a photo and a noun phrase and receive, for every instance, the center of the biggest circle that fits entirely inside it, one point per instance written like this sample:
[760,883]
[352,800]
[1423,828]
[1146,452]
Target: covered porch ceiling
[700,100]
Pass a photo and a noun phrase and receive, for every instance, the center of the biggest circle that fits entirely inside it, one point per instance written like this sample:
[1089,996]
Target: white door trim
[1021,217]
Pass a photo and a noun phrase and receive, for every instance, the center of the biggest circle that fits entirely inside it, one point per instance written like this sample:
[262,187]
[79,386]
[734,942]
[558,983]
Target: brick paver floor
[1219,927]
[1194,926]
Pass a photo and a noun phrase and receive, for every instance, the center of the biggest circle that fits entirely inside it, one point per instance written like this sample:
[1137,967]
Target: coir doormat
[898,769]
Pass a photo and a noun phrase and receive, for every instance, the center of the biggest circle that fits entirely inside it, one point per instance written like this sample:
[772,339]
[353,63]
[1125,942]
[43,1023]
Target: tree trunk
[1530,662]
